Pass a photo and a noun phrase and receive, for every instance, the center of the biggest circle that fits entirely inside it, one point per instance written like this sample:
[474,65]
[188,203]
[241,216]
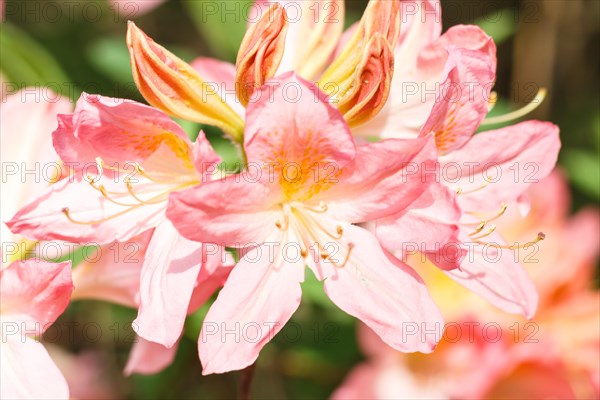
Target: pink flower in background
[290,217]
[27,119]
[134,8]
[554,356]
[33,294]
[126,158]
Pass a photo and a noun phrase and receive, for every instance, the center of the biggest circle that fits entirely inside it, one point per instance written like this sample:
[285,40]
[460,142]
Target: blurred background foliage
[75,46]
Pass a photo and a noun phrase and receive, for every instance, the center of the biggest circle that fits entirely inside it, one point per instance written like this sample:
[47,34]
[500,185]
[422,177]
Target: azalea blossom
[33,294]
[315,184]
[126,158]
[555,355]
[479,174]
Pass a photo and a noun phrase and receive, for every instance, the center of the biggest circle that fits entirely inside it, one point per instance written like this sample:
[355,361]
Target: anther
[540,236]
[487,233]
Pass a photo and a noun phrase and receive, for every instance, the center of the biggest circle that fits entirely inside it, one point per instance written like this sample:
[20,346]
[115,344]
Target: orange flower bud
[260,52]
[371,84]
[358,80]
[169,83]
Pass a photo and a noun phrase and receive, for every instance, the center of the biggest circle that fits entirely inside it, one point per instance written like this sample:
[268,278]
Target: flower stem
[246,376]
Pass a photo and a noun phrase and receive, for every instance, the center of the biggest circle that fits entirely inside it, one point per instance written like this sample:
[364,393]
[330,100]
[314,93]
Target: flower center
[304,224]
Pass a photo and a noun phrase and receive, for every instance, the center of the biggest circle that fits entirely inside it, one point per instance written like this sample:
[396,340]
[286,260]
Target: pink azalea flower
[478,175]
[33,294]
[554,356]
[287,217]
[126,159]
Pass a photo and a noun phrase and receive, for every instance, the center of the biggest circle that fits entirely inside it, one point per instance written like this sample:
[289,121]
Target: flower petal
[426,224]
[113,272]
[148,358]
[118,131]
[230,212]
[206,160]
[28,372]
[98,219]
[494,274]
[384,179]
[35,292]
[169,274]
[27,119]
[296,127]
[258,299]
[384,293]
[503,164]
[463,102]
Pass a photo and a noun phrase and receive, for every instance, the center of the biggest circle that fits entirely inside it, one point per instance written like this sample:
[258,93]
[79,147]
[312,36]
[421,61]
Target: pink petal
[148,358]
[27,119]
[28,372]
[512,158]
[426,224]
[113,272]
[384,179]
[205,159]
[119,131]
[220,75]
[135,8]
[494,274]
[290,122]
[384,293]
[169,274]
[231,212]
[213,274]
[463,102]
[43,218]
[258,299]
[35,292]
[471,37]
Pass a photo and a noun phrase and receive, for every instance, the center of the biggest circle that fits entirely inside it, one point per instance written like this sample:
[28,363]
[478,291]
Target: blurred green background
[76,46]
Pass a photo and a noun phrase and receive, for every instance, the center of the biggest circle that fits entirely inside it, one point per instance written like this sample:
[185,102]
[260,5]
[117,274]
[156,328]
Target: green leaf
[111,57]
[583,168]
[26,62]
[500,24]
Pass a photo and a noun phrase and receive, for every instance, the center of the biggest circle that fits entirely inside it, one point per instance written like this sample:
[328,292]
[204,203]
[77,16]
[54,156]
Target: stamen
[68,215]
[540,236]
[338,229]
[533,104]
[460,190]
[350,247]
[130,190]
[478,229]
[487,233]
[483,222]
[322,208]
